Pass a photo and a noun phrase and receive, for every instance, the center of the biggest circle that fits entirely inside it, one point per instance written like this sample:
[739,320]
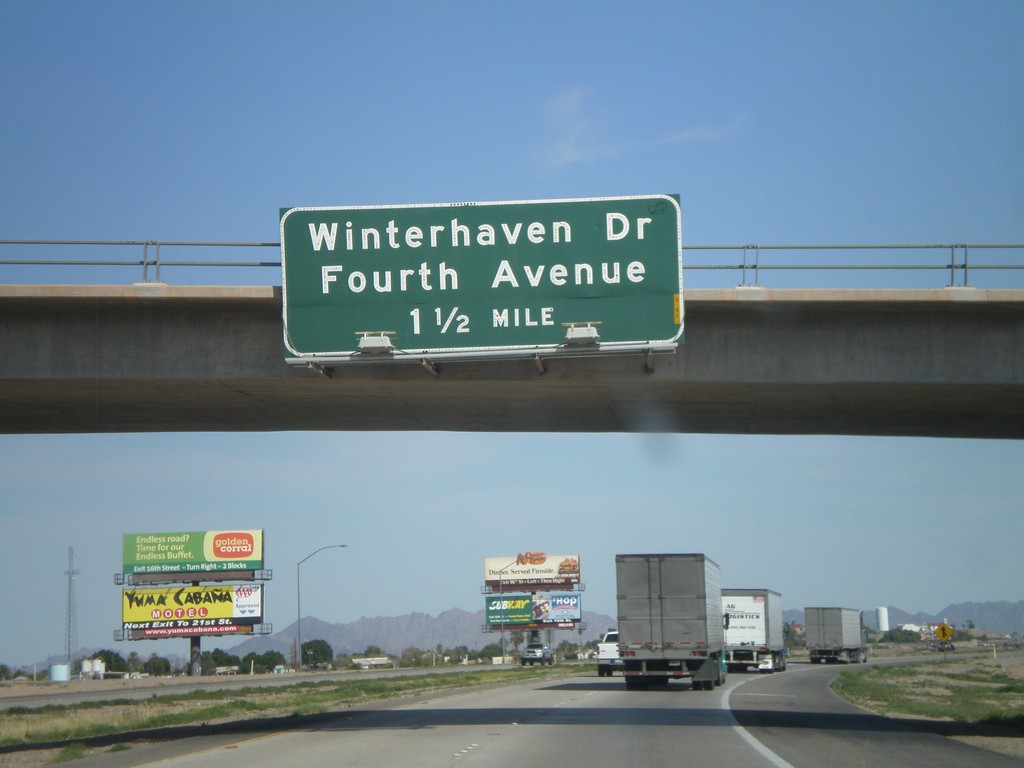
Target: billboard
[509,609]
[146,632]
[556,607]
[481,279]
[192,552]
[538,610]
[746,619]
[189,610]
[535,570]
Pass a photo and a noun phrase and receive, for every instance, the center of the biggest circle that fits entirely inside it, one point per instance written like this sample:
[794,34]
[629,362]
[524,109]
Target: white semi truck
[835,635]
[670,620]
[754,637]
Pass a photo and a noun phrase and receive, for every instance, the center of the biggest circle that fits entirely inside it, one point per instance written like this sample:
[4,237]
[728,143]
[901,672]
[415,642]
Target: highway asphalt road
[786,719]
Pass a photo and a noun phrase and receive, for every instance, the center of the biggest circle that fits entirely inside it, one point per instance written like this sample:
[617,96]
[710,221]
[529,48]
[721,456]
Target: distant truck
[608,658]
[835,635]
[754,637]
[670,620]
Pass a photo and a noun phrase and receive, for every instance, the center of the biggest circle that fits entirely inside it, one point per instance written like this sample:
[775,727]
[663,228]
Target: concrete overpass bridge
[152,357]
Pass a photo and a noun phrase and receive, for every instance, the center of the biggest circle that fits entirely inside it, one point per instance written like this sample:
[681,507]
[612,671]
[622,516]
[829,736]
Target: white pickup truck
[608,659]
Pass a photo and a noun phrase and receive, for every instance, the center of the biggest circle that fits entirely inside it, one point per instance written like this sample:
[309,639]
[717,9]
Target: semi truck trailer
[754,637]
[670,620]
[835,635]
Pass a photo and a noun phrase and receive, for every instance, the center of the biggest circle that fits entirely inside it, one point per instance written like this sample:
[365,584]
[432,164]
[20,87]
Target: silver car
[537,653]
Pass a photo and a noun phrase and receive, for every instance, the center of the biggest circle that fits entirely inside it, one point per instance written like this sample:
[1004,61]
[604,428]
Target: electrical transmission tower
[71,622]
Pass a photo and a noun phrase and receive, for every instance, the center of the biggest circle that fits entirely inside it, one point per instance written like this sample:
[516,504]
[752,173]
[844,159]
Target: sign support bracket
[327,373]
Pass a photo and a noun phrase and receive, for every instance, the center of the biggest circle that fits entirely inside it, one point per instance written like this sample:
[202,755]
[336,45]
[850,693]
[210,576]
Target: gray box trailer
[835,635]
[670,620]
[754,636]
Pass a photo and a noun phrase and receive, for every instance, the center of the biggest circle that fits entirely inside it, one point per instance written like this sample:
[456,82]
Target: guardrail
[146,261]
[958,263]
[958,260]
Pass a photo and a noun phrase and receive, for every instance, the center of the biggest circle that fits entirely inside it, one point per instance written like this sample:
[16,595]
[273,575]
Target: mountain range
[456,627]
[450,629]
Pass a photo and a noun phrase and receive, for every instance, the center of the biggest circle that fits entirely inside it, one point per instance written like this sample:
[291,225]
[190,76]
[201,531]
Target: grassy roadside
[975,691]
[24,727]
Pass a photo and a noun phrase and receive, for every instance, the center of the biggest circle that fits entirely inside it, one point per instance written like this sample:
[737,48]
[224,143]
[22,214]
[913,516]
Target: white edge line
[770,756]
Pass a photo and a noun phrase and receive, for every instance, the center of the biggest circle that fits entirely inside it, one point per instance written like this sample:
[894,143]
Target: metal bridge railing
[146,261]
[1002,263]
[957,263]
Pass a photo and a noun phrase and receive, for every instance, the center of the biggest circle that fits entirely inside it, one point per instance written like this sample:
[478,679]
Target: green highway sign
[481,279]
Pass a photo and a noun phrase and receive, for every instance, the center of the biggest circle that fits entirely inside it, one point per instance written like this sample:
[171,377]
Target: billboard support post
[195,667]
[501,574]
[195,652]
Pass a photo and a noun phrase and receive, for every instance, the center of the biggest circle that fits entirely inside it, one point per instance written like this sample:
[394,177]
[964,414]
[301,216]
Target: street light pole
[298,600]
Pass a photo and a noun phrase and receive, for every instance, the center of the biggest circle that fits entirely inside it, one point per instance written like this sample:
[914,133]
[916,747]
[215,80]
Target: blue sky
[787,122]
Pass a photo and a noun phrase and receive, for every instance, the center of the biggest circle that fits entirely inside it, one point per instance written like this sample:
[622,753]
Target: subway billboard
[193,552]
[537,610]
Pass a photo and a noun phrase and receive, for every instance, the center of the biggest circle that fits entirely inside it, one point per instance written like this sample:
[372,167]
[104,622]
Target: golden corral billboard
[533,570]
[188,611]
[192,552]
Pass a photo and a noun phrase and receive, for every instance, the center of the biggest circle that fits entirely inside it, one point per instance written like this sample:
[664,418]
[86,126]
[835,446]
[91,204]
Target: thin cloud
[575,132]
[709,133]
[574,137]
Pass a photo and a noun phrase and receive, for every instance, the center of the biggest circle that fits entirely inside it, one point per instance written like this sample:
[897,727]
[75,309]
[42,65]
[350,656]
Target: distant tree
[411,657]
[157,666]
[567,650]
[112,662]
[135,662]
[316,652]
[207,666]
[262,663]
[224,659]
[373,650]
[460,653]
[900,636]
[518,639]
[5,672]
[272,660]
[490,651]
